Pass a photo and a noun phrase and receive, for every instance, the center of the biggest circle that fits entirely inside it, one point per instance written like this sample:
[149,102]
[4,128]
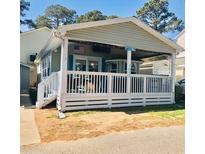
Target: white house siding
[24,82]
[181,39]
[180,59]
[180,68]
[162,67]
[123,34]
[148,70]
[32,42]
[159,67]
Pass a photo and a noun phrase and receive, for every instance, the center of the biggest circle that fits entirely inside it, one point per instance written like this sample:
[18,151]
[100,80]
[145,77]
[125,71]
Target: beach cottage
[96,65]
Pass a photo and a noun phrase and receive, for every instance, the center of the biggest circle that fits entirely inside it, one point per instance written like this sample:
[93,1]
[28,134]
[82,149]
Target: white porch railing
[86,90]
[48,89]
[79,82]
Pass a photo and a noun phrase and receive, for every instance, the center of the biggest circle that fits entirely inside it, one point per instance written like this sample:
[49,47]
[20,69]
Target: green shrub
[179,96]
[33,95]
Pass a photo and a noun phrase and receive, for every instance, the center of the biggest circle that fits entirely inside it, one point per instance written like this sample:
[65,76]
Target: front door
[87,63]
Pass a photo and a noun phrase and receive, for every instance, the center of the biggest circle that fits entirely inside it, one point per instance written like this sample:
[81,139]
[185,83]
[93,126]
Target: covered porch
[93,80]
[92,86]
[103,71]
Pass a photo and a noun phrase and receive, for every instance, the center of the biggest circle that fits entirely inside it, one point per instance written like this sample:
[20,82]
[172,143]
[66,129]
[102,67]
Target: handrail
[49,77]
[48,87]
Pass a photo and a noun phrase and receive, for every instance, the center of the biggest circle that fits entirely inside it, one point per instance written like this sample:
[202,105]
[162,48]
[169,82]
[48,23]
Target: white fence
[99,82]
[86,90]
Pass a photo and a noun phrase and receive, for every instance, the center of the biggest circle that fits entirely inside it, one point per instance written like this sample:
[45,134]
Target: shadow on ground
[130,110]
[25,101]
[136,110]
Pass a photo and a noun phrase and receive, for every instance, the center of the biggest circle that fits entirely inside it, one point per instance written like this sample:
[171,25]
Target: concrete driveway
[148,141]
[29,132]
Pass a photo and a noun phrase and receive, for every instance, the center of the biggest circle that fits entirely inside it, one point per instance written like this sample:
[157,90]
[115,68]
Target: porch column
[129,59]
[173,72]
[62,76]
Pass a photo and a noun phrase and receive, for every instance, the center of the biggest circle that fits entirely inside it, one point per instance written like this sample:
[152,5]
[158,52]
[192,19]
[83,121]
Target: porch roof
[114,32]
[134,20]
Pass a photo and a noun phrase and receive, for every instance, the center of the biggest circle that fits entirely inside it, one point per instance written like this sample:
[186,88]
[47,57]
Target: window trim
[45,67]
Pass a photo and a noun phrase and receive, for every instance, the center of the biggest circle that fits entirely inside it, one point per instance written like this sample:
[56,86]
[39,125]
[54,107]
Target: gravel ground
[166,140]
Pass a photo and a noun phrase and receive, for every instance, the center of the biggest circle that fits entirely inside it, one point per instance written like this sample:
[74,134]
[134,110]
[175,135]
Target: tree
[42,21]
[94,15]
[112,17]
[155,13]
[29,23]
[58,15]
[24,6]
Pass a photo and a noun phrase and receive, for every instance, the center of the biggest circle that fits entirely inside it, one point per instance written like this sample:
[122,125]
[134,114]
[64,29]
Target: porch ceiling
[145,54]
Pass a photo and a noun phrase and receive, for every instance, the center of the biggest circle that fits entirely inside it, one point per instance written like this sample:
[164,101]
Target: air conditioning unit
[32,57]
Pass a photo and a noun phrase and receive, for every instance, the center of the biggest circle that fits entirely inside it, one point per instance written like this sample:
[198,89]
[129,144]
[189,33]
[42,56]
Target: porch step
[46,101]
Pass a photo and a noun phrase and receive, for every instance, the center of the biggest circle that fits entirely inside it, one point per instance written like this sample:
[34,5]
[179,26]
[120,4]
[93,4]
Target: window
[133,68]
[46,66]
[80,65]
[113,67]
[120,66]
[93,66]
[87,63]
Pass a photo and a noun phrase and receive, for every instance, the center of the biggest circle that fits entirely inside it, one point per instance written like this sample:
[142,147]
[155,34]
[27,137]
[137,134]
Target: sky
[121,8]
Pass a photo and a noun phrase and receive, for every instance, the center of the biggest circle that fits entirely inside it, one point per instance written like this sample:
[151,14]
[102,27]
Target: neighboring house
[96,65]
[24,78]
[180,58]
[30,44]
[155,67]
[160,67]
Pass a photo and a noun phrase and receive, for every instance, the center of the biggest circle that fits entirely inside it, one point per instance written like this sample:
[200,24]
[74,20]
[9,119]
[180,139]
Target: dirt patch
[95,123]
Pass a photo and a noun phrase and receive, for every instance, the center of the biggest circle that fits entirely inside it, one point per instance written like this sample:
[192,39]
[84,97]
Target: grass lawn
[170,114]
[92,123]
